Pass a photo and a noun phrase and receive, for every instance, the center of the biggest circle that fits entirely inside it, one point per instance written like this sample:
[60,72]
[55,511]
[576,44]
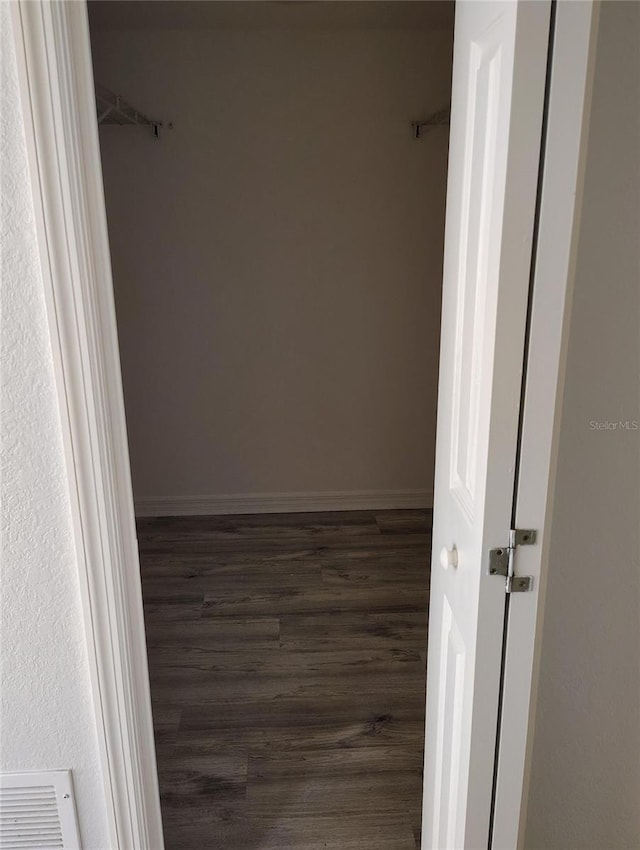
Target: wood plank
[340,795]
[290,664]
[223,633]
[159,611]
[363,719]
[197,781]
[248,529]
[390,596]
[249,522]
[404,522]
[233,828]
[405,630]
[211,688]
[244,578]
[305,545]
[410,572]
[323,764]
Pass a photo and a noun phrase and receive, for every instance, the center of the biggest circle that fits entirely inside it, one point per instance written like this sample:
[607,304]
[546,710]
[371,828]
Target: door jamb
[53,54]
[560,202]
[56,84]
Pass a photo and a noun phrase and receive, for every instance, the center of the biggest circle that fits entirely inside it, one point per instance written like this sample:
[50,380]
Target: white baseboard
[267,503]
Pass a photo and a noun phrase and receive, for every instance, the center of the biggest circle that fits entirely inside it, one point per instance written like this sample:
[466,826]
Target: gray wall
[277,256]
[585,786]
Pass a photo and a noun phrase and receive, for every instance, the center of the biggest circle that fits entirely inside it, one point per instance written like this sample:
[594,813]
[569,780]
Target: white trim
[267,503]
[560,207]
[54,60]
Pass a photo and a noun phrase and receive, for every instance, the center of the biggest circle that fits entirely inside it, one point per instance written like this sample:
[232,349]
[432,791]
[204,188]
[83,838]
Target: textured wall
[585,784]
[46,708]
[277,257]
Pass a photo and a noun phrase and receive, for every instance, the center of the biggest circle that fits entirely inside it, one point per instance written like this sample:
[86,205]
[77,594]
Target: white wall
[277,256]
[585,787]
[46,713]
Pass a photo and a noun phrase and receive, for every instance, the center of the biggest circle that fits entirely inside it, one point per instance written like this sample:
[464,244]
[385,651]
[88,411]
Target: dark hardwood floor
[287,663]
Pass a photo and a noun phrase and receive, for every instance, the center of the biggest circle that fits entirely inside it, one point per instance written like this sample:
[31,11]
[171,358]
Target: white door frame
[570,83]
[54,59]
[56,78]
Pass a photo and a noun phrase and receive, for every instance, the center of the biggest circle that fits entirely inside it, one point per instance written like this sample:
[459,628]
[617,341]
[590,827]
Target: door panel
[497,105]
[448,746]
[481,133]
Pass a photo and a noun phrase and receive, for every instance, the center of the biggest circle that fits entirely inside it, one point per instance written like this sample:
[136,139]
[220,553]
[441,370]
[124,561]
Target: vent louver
[37,811]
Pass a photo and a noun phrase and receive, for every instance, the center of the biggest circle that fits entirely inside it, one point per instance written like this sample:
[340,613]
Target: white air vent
[37,811]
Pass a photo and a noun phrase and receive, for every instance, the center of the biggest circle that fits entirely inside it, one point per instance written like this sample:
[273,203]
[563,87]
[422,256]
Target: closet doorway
[275,179]
[520,96]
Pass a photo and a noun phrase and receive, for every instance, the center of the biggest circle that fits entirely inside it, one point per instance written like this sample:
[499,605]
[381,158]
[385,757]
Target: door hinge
[501,560]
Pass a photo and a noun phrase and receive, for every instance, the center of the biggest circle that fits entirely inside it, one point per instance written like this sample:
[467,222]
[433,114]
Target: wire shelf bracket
[437,119]
[114,109]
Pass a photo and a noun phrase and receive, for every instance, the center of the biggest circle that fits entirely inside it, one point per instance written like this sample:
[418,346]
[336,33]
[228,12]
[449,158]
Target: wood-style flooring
[287,664]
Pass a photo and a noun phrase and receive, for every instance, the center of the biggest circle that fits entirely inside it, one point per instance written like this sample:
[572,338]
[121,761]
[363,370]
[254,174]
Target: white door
[499,73]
